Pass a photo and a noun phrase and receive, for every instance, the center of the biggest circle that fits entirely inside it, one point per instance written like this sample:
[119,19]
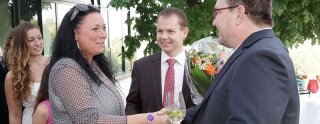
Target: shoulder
[65,65]
[65,62]
[46,60]
[150,58]
[8,82]
[9,76]
[264,54]
[272,44]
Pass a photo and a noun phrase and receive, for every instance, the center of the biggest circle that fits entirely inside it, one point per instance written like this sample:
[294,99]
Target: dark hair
[259,11]
[64,45]
[43,93]
[174,11]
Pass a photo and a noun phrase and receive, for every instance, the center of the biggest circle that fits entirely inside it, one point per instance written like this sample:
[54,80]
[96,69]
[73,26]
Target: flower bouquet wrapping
[205,59]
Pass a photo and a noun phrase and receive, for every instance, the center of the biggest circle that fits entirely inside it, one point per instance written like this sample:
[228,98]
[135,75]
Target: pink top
[47,103]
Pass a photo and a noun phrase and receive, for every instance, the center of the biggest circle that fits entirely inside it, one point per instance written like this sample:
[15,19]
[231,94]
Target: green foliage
[28,8]
[5,22]
[295,21]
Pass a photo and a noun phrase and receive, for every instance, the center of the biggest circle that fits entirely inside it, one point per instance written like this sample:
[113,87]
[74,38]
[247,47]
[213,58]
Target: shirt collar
[242,42]
[180,58]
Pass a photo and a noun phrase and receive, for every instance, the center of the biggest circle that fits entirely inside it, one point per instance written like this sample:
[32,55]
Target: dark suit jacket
[145,94]
[257,85]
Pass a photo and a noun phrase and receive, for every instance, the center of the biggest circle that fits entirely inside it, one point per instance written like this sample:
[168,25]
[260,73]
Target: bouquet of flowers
[205,59]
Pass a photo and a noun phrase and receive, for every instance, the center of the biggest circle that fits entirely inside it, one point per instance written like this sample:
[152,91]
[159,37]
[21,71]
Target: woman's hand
[160,117]
[162,112]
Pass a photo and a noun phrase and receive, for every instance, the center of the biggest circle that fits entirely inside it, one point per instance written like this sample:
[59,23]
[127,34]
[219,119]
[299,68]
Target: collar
[252,33]
[180,58]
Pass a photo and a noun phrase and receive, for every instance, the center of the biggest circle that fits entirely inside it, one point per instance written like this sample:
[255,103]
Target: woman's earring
[78,45]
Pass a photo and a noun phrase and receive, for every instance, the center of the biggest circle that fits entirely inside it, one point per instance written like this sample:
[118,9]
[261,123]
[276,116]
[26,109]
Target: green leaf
[200,79]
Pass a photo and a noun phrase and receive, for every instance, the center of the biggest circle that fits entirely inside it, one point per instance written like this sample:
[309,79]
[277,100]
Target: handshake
[166,117]
[160,117]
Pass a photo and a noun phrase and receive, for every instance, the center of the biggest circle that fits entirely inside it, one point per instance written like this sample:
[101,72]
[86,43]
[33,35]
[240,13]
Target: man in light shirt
[148,86]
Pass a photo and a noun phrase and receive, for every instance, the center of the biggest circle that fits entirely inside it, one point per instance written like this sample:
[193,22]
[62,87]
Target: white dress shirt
[178,71]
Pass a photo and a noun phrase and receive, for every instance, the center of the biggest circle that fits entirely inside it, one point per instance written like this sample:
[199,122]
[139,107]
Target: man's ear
[185,31]
[241,11]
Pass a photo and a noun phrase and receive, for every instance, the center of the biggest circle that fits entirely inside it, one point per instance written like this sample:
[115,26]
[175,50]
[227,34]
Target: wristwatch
[150,118]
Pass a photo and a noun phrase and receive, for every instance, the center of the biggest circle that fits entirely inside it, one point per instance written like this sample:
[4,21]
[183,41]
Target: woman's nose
[103,34]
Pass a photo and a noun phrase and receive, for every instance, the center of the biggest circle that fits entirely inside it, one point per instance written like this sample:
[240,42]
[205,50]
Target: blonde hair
[17,58]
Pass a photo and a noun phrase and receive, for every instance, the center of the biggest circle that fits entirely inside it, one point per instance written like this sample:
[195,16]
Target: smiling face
[170,35]
[35,42]
[91,34]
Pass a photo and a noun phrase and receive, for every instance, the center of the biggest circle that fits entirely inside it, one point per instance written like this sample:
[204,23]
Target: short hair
[258,11]
[174,11]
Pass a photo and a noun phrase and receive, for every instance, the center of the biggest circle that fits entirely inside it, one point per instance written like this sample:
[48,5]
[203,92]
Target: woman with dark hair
[81,85]
[26,64]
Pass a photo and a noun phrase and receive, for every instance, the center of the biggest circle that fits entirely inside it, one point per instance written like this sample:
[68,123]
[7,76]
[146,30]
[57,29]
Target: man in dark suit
[257,84]
[149,73]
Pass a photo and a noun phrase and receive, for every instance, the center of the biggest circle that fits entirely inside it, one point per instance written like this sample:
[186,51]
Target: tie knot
[171,62]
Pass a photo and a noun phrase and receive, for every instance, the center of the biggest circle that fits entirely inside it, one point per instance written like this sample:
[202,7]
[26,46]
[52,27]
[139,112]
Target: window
[48,25]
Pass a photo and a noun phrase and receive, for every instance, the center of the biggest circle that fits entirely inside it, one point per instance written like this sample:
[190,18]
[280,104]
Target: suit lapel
[215,82]
[267,33]
[155,71]
[186,91]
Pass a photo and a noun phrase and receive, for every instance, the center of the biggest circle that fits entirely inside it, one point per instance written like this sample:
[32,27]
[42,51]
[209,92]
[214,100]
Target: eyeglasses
[81,8]
[219,9]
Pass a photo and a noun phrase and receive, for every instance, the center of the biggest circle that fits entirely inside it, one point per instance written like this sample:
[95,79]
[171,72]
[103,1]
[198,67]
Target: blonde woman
[26,64]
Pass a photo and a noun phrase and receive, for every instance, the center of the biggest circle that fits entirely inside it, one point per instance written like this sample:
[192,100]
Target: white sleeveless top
[29,104]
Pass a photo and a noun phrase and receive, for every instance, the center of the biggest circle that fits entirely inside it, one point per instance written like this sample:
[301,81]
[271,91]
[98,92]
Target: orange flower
[196,59]
[210,69]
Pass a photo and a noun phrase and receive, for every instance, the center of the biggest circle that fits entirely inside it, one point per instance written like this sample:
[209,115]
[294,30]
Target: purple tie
[169,80]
